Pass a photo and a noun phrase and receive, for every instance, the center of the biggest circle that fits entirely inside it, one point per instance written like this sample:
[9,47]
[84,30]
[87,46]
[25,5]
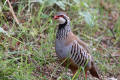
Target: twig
[113,33]
[12,11]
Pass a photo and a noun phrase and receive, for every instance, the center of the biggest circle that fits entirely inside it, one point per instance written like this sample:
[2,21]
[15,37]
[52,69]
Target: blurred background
[27,35]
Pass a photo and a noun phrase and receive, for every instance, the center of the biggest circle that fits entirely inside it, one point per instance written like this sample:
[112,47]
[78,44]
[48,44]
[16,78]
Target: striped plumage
[69,46]
[78,54]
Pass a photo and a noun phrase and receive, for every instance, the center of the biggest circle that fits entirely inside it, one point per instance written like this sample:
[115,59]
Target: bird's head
[62,18]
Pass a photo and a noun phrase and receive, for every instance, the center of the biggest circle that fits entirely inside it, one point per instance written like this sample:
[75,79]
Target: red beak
[56,17]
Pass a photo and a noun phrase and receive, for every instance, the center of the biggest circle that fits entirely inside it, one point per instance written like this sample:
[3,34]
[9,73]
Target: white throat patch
[61,20]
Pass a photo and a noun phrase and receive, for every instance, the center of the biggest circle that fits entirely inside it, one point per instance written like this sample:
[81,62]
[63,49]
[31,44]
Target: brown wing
[72,37]
[79,51]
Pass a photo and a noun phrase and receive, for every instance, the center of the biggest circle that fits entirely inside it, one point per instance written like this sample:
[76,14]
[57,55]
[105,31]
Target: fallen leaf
[116,54]
[118,77]
[112,78]
[3,31]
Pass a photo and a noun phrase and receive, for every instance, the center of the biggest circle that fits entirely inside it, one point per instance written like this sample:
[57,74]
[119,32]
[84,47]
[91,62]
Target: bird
[71,51]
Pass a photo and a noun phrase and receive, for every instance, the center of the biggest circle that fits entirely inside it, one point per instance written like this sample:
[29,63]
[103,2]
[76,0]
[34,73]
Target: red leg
[86,75]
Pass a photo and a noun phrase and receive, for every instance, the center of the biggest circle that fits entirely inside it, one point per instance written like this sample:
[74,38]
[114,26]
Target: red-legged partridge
[68,45]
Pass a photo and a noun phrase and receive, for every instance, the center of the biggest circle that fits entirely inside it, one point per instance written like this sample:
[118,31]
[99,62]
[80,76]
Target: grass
[27,50]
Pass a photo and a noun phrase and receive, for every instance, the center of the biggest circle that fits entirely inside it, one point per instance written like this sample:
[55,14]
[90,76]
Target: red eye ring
[56,17]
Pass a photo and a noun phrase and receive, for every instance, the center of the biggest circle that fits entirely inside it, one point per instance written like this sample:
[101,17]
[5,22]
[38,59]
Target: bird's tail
[94,72]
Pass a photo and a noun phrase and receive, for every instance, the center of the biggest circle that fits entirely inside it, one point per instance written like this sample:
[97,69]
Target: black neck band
[63,25]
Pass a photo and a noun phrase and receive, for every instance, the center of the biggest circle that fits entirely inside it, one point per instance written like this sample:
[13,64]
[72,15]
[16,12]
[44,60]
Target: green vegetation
[27,46]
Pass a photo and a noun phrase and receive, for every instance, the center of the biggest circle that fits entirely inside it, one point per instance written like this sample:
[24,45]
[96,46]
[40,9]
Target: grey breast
[62,50]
